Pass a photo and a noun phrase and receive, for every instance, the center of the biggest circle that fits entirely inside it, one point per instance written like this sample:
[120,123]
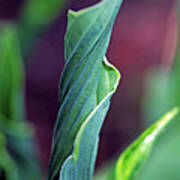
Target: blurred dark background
[144,36]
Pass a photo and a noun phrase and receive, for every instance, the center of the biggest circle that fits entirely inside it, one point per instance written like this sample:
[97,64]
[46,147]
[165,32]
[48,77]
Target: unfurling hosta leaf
[80,164]
[135,155]
[87,84]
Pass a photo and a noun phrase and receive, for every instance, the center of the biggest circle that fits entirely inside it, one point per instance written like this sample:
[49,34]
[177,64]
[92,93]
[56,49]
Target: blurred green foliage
[35,17]
[133,160]
[8,169]
[18,155]
[163,92]
[16,135]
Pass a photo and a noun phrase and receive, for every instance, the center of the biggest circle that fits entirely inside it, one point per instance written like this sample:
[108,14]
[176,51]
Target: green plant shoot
[86,86]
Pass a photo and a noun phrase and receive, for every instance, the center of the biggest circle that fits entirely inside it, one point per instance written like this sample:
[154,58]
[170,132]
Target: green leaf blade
[136,154]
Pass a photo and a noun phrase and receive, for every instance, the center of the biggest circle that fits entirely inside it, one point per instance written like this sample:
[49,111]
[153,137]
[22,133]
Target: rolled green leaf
[87,84]
[137,153]
[80,165]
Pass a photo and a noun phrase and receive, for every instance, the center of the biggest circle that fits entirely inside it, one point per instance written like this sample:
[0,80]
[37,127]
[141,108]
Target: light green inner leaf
[137,153]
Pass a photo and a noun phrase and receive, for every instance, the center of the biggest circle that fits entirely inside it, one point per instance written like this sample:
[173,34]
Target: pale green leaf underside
[87,84]
[135,155]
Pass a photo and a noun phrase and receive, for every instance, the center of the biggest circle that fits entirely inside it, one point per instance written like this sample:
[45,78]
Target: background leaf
[35,17]
[162,93]
[132,159]
[18,147]
[8,169]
